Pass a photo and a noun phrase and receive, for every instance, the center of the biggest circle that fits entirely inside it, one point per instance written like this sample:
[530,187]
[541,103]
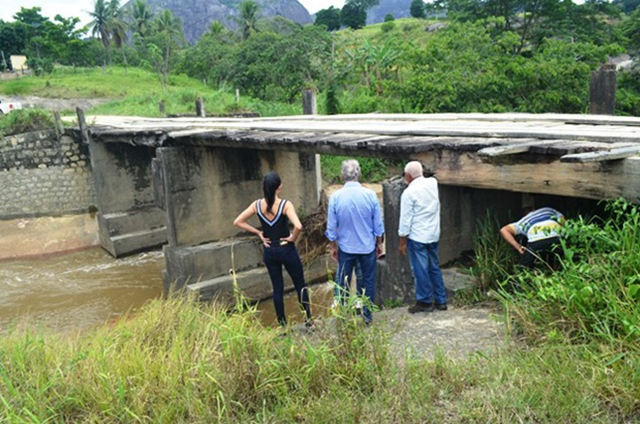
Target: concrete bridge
[182,181]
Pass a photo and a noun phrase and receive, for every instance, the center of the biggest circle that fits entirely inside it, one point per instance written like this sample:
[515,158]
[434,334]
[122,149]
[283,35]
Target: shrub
[388,26]
[25,120]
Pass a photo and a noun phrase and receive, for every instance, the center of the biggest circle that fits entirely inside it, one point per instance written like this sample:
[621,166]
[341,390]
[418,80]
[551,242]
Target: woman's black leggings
[274,258]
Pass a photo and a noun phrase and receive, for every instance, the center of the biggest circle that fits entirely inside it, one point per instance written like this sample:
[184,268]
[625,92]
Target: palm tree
[118,27]
[168,33]
[142,17]
[100,24]
[249,11]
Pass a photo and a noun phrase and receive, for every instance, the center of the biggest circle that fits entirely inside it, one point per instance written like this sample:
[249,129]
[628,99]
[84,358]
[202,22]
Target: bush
[388,26]
[25,120]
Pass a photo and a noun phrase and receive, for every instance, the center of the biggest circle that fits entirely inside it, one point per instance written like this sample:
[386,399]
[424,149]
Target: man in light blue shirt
[355,229]
[419,233]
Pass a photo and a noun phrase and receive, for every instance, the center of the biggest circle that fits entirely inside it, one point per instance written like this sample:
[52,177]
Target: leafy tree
[417,9]
[353,16]
[627,6]
[329,17]
[13,38]
[249,12]
[631,30]
[389,17]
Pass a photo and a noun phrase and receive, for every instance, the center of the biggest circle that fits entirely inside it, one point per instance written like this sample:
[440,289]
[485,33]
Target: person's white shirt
[420,211]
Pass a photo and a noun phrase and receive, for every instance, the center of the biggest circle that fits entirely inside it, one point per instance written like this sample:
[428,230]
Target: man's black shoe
[421,307]
[441,306]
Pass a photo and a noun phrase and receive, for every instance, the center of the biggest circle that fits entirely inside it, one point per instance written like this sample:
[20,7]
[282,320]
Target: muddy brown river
[87,288]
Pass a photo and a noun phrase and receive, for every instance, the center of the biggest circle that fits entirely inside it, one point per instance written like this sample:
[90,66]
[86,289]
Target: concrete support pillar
[603,91]
[460,208]
[310,107]
[205,188]
[128,219]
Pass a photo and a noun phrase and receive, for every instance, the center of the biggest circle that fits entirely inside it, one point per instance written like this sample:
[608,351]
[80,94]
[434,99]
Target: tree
[353,16]
[417,9]
[100,24]
[167,37]
[248,17]
[354,12]
[632,31]
[142,18]
[329,17]
[389,17]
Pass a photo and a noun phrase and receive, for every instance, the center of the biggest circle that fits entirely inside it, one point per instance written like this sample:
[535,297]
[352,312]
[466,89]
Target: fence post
[603,91]
[82,124]
[58,124]
[200,108]
[161,107]
[309,105]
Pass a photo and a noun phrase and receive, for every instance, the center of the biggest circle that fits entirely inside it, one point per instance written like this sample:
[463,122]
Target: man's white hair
[413,168]
[350,170]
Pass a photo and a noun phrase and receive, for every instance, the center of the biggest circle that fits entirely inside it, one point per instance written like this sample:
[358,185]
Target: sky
[79,8]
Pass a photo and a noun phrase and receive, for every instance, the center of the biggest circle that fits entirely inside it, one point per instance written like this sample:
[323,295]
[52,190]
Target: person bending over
[541,227]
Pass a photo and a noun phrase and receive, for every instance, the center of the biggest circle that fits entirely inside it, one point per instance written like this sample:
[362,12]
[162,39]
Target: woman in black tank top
[280,250]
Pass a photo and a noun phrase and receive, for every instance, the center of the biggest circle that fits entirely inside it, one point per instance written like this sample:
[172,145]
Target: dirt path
[457,332]
[53,104]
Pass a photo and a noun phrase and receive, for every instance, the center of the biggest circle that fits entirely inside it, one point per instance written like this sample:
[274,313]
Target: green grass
[373,169]
[139,93]
[409,29]
[92,83]
[25,120]
[177,361]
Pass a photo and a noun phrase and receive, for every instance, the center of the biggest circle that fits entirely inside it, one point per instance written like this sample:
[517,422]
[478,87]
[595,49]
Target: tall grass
[177,361]
[495,260]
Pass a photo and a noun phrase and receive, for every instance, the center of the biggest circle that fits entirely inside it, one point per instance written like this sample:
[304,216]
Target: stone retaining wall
[44,175]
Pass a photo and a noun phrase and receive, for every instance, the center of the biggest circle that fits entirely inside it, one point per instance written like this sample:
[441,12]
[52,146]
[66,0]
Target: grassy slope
[180,362]
[138,93]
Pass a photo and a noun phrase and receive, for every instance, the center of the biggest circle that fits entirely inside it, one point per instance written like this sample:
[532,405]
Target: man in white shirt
[419,235]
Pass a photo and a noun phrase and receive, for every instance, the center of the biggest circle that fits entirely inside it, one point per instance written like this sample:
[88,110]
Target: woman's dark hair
[270,184]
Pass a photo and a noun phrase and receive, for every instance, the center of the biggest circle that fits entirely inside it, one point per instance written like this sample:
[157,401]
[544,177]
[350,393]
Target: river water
[83,289]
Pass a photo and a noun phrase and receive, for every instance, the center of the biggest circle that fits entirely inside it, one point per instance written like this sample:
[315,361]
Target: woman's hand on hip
[265,241]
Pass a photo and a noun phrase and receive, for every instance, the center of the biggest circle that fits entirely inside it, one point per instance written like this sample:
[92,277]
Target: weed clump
[25,120]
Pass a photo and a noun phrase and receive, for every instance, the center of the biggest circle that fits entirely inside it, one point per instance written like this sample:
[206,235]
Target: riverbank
[177,361]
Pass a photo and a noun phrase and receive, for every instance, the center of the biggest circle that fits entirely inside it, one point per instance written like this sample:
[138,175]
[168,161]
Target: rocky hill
[398,8]
[197,15]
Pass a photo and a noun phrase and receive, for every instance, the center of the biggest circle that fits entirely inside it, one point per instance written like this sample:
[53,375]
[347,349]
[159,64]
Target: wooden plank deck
[575,155]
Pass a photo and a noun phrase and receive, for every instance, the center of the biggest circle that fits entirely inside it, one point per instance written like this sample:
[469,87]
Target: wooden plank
[614,154]
[512,149]
[602,180]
